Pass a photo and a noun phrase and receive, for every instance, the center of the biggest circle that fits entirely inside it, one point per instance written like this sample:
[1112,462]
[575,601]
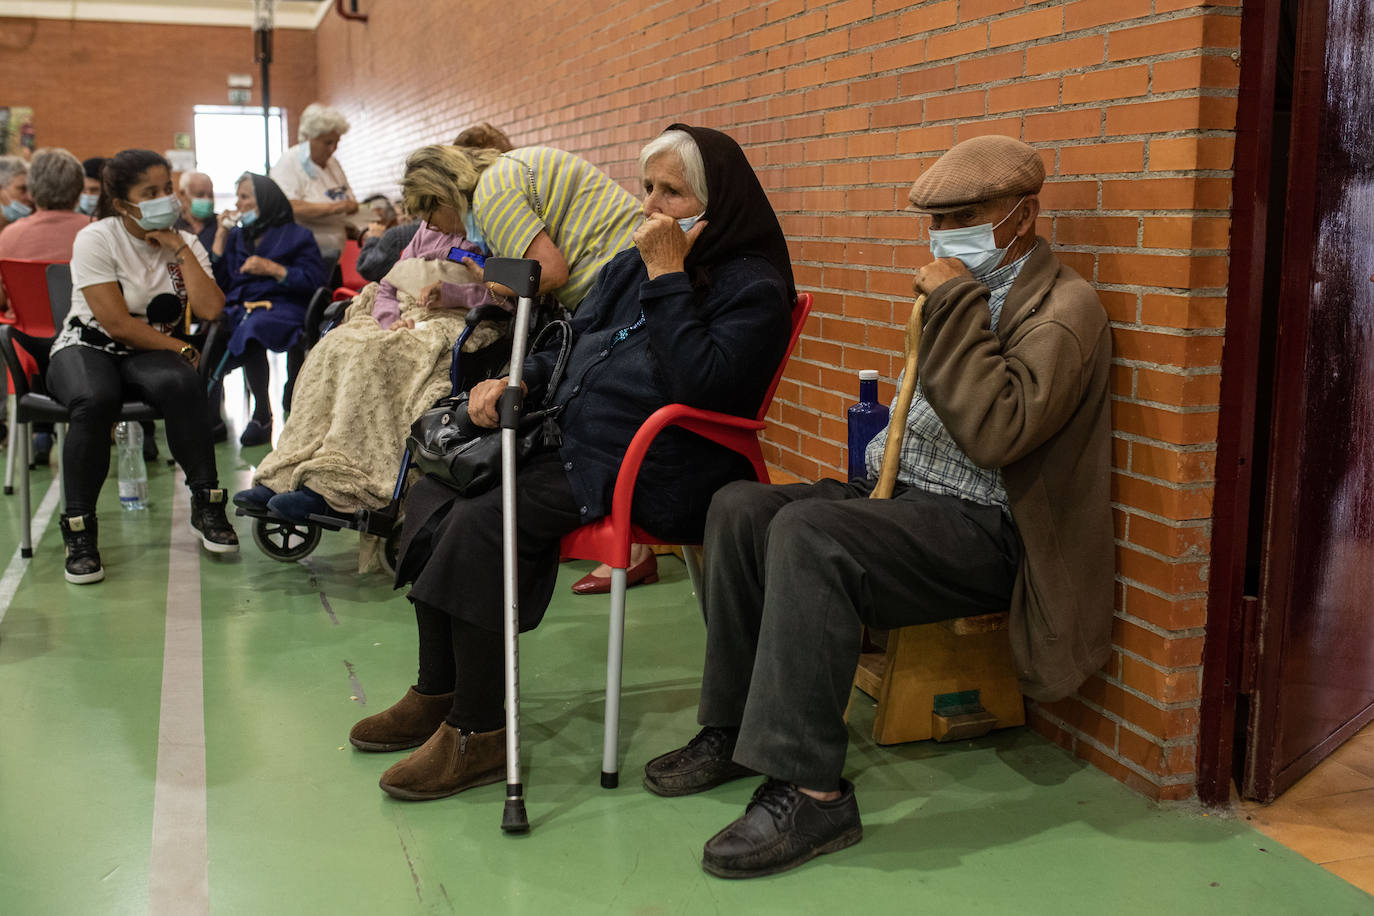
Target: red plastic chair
[26,285]
[348,266]
[607,540]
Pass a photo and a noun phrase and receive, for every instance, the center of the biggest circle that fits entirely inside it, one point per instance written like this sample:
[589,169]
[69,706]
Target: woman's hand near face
[167,239]
[663,245]
[263,267]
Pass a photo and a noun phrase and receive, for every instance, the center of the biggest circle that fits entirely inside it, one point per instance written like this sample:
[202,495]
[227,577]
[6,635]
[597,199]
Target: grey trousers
[792,572]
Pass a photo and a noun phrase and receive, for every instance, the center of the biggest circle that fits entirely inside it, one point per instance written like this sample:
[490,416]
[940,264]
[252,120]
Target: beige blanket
[361,388]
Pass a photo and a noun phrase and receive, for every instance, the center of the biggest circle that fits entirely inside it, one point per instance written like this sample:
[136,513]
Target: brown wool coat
[1033,398]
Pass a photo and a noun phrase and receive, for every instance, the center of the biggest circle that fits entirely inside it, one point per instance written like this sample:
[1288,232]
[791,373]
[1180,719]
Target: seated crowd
[1001,501]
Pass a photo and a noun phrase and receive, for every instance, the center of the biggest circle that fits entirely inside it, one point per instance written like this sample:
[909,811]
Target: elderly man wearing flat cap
[1001,505]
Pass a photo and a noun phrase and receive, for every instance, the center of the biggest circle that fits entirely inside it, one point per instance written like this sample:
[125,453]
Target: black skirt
[450,548]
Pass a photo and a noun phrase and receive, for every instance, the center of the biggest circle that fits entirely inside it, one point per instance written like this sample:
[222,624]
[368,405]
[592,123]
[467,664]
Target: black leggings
[457,656]
[258,374]
[94,384]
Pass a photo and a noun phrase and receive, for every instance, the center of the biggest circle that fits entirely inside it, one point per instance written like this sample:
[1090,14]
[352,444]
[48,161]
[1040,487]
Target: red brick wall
[99,87]
[840,105]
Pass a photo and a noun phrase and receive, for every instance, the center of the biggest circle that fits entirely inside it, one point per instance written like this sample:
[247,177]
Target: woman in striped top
[533,202]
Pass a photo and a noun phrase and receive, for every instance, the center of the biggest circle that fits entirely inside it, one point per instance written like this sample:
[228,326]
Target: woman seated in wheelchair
[367,380]
[696,313]
[269,267]
[133,278]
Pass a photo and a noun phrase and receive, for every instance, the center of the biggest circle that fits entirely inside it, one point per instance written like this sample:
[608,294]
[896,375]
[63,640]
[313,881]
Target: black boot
[207,517]
[79,533]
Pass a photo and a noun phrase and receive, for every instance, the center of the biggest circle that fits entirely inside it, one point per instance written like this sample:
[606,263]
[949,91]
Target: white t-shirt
[301,179]
[105,252]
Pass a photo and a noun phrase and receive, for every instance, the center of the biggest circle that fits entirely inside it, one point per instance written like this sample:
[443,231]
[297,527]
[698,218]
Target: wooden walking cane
[896,424]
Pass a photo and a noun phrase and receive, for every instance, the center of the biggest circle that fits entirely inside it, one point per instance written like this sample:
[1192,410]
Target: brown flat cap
[979,169]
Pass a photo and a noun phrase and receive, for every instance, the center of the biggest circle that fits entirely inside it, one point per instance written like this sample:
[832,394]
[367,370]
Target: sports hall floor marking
[14,572]
[178,869]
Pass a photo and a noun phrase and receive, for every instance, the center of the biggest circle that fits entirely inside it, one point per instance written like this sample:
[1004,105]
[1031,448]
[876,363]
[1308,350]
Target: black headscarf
[273,208]
[739,218]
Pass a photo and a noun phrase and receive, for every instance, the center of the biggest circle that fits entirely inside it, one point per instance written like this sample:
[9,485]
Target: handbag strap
[560,366]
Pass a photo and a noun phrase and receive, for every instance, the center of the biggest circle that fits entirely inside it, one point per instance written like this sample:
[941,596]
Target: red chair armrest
[739,434]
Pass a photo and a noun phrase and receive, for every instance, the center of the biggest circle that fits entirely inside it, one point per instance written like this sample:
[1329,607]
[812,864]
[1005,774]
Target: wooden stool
[948,681]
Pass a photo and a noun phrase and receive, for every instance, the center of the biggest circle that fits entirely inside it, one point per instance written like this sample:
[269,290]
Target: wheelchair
[289,541]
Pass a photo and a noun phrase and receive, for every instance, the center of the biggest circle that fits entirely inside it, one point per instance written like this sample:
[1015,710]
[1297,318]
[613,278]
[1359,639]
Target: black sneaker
[703,764]
[207,517]
[780,829]
[79,533]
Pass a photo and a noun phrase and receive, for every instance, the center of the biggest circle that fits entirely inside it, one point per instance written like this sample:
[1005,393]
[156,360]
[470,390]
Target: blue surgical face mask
[87,203]
[308,164]
[248,219]
[976,246]
[689,222]
[474,234]
[202,207]
[158,213]
[16,209]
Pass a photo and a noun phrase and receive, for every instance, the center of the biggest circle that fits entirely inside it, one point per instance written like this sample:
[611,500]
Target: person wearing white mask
[315,183]
[133,278]
[1002,504]
[15,200]
[196,193]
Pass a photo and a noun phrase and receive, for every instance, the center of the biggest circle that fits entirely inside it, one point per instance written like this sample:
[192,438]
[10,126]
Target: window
[229,143]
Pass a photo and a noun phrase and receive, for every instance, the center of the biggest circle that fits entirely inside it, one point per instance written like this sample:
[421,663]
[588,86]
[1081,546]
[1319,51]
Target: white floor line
[14,572]
[178,871]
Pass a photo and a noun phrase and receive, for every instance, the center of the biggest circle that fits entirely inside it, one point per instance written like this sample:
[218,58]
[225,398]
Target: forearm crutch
[522,276]
[896,424]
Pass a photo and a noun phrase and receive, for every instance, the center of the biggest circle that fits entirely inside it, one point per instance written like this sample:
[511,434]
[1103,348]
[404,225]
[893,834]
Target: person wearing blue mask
[15,200]
[90,193]
[314,181]
[1002,504]
[269,267]
[196,192]
[133,279]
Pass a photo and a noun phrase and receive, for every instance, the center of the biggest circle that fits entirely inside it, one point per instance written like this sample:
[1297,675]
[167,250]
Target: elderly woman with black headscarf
[697,313]
[268,267]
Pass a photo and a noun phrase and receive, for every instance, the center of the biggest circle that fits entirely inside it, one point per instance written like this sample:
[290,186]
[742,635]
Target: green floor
[1008,824]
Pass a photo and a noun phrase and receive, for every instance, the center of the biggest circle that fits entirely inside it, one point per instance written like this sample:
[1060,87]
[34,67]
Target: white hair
[55,179]
[11,167]
[320,119]
[184,183]
[680,144]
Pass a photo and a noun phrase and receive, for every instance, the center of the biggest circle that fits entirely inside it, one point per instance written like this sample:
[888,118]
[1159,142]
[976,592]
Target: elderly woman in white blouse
[314,182]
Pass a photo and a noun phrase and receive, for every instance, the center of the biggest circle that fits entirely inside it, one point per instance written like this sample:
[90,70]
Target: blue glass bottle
[866,419]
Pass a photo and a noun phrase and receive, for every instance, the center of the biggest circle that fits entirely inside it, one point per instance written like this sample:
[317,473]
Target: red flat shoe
[645,571]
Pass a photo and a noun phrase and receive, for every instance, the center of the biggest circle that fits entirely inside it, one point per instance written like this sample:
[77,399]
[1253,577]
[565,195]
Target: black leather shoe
[782,828]
[703,764]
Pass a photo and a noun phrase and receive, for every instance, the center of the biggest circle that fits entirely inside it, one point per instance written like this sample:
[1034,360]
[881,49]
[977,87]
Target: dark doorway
[1289,668]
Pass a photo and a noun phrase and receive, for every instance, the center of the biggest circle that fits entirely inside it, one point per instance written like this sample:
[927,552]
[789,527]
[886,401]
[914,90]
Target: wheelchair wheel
[285,541]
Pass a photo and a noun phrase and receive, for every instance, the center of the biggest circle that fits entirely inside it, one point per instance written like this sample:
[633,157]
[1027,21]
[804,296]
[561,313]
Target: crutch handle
[521,275]
[896,426]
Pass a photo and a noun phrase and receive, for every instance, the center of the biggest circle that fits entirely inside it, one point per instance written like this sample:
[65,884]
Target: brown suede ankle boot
[407,724]
[449,762]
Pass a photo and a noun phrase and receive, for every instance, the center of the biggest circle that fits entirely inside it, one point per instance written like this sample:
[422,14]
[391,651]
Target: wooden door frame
[1223,650]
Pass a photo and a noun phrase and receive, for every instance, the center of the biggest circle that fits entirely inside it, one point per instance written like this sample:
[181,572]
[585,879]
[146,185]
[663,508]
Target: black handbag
[445,444]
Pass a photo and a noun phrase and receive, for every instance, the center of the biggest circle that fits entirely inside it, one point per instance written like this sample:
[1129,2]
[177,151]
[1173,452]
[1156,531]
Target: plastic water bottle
[133,473]
[866,419]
